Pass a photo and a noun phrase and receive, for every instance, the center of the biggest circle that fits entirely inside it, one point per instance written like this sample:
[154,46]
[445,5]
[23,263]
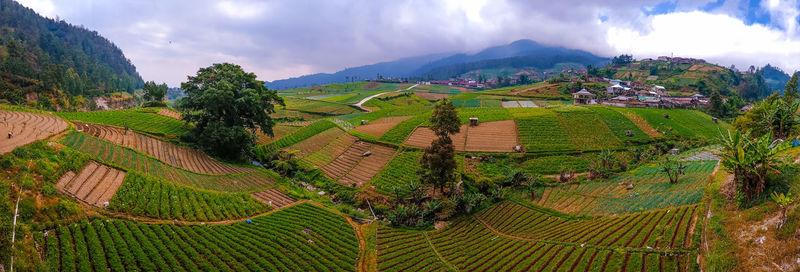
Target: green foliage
[438,160]
[680,122]
[146,196]
[749,159]
[226,104]
[144,120]
[318,106]
[400,132]
[154,92]
[587,130]
[553,164]
[41,55]
[543,133]
[620,125]
[400,171]
[296,137]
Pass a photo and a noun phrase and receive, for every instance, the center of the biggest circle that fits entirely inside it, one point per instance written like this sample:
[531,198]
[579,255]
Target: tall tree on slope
[227,105]
[438,160]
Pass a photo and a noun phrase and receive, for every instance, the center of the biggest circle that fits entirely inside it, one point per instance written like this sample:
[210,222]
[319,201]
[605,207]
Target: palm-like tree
[749,159]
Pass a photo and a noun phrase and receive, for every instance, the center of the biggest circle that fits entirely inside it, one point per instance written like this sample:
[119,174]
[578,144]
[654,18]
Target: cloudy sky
[168,40]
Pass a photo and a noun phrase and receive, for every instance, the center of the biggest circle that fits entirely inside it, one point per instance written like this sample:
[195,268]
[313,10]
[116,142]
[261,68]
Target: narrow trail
[360,103]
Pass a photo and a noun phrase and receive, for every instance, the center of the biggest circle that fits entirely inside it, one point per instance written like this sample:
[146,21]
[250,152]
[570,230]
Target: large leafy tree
[154,92]
[438,160]
[227,105]
[777,113]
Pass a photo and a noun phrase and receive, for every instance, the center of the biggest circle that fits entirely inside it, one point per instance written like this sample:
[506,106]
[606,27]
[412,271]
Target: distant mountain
[519,54]
[396,69]
[55,59]
[775,77]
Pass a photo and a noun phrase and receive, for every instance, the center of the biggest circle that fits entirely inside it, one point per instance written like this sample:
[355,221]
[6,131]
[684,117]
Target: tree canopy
[154,92]
[227,105]
[438,160]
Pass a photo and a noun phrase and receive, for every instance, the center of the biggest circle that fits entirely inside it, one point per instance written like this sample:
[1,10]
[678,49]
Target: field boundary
[428,240]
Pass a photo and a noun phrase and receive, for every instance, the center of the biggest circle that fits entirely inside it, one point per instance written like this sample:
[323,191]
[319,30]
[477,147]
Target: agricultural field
[552,164]
[21,128]
[149,197]
[686,123]
[299,238]
[170,113]
[651,190]
[378,127]
[178,156]
[95,184]
[355,167]
[400,171]
[587,130]
[620,125]
[142,120]
[318,106]
[274,198]
[130,159]
[510,237]
[316,142]
[543,132]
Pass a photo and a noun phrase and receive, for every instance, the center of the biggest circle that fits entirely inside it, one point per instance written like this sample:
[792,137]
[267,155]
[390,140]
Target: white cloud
[242,9]
[43,7]
[713,36]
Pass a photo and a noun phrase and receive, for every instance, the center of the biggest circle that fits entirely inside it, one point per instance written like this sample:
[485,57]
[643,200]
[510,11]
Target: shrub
[66,208]
[48,189]
[27,208]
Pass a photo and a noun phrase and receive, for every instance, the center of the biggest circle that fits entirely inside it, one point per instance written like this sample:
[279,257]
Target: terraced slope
[178,156]
[498,136]
[651,190]
[510,237]
[274,198]
[378,127]
[110,153]
[96,183]
[24,128]
[298,238]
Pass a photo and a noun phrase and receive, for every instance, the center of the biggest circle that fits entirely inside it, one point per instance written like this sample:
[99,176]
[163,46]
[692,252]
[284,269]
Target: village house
[583,97]
[659,89]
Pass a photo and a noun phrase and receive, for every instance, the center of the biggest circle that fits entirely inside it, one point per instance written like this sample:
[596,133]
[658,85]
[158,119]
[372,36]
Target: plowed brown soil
[378,127]
[274,198]
[26,128]
[500,136]
[95,184]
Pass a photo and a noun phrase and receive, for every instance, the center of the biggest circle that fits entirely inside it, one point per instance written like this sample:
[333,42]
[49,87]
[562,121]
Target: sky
[170,40]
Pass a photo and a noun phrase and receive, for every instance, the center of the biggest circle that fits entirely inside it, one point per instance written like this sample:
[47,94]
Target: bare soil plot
[500,136]
[423,136]
[344,162]
[368,167]
[170,113]
[274,198]
[378,127]
[331,151]
[316,142]
[26,128]
[178,156]
[431,96]
[95,184]
[642,124]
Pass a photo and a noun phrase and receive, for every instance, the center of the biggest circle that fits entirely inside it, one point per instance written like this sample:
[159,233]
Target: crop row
[477,103]
[620,124]
[657,229]
[132,160]
[543,133]
[400,171]
[569,202]
[469,246]
[400,132]
[552,164]
[145,196]
[318,106]
[299,238]
[687,123]
[135,119]
[588,131]
[298,136]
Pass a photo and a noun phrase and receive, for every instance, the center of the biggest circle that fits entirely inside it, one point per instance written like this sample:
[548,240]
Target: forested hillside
[57,61]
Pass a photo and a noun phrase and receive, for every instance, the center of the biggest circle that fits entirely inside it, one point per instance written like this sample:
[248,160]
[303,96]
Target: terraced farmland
[400,171]
[587,130]
[170,113]
[499,136]
[316,142]
[178,156]
[378,127]
[274,198]
[472,244]
[299,238]
[21,128]
[354,167]
[147,120]
[544,133]
[110,153]
[651,190]
[330,151]
[95,184]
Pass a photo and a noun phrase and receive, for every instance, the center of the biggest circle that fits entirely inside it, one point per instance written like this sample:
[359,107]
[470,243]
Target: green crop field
[400,132]
[552,164]
[587,130]
[300,238]
[620,125]
[687,123]
[127,158]
[318,106]
[145,196]
[144,120]
[543,133]
[400,171]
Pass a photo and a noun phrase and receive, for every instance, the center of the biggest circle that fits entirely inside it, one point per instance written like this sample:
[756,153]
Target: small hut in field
[582,97]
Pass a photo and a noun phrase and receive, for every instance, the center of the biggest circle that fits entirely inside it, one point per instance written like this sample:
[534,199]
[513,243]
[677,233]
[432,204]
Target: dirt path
[360,103]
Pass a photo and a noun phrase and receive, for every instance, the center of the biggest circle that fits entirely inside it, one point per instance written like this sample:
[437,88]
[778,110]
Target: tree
[438,160]
[621,60]
[673,168]
[227,105]
[750,159]
[716,105]
[791,91]
[154,92]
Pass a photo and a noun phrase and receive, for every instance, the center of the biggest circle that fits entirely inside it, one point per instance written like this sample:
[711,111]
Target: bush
[47,169]
[66,208]
[26,181]
[7,161]
[27,208]
[48,189]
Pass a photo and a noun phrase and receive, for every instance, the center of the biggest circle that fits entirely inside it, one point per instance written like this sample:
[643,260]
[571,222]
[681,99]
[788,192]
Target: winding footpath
[359,104]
